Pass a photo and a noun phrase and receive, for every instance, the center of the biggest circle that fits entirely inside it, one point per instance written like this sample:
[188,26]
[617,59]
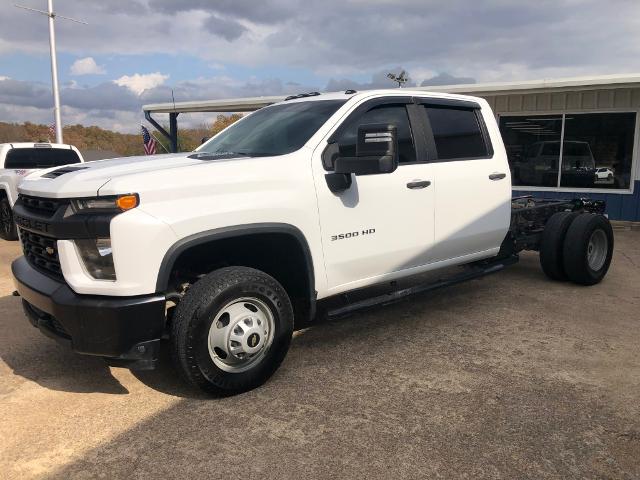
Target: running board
[477,270]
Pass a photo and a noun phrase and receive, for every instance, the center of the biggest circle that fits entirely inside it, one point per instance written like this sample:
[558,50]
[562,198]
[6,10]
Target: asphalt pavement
[508,376]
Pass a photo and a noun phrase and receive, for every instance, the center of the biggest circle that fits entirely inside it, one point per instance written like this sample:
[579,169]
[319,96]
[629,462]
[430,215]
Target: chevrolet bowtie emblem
[49,250]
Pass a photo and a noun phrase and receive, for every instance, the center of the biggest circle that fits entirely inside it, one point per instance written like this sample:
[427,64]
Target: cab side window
[393,114]
[456,132]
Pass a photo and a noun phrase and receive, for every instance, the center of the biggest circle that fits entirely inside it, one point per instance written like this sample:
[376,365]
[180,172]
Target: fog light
[97,257]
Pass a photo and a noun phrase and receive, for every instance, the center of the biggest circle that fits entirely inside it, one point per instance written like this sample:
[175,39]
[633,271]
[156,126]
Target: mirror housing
[376,151]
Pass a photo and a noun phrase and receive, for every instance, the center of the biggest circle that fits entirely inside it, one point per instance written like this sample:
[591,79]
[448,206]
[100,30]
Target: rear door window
[32,158]
[457,133]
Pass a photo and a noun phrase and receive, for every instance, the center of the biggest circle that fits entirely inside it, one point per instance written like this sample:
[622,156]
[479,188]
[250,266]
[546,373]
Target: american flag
[149,142]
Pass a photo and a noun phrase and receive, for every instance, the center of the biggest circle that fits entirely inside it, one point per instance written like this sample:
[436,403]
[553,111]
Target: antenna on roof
[400,79]
[54,63]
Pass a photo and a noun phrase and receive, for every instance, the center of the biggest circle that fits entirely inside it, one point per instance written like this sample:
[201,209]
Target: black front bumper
[125,330]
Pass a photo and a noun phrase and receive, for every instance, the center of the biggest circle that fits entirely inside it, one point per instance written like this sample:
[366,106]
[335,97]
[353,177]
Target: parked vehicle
[17,160]
[539,165]
[604,175]
[310,208]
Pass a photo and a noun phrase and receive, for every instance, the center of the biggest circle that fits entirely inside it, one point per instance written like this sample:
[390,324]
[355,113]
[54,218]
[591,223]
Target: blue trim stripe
[619,207]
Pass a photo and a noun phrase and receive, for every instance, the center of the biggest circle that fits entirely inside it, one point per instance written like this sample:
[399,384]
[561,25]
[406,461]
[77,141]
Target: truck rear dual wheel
[577,247]
[232,330]
[552,244]
[588,249]
[8,229]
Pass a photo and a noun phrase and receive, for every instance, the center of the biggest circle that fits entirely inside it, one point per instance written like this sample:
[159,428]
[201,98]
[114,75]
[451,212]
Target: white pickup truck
[310,208]
[18,160]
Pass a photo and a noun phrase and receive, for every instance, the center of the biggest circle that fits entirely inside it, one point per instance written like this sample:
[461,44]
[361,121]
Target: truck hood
[85,180]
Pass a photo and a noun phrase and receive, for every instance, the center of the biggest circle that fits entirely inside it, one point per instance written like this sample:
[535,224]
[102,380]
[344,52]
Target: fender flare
[174,252]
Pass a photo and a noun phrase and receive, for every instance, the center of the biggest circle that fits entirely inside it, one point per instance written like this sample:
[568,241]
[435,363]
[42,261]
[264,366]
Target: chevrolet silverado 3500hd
[313,207]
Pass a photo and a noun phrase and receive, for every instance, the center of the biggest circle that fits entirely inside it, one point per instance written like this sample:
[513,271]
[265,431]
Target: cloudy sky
[137,51]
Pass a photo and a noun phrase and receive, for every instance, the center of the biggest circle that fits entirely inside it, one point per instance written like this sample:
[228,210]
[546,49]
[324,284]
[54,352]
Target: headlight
[109,204]
[97,257]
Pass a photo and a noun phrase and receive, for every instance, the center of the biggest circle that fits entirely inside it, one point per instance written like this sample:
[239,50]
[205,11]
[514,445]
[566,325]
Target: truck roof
[352,94]
[35,144]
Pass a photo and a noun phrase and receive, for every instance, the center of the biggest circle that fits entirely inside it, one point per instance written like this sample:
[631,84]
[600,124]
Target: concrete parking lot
[510,376]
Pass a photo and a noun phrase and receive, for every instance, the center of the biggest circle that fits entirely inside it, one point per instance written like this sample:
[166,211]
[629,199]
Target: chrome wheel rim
[597,250]
[241,334]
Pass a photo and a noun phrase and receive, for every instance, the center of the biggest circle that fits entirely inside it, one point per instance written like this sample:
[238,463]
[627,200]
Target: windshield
[275,130]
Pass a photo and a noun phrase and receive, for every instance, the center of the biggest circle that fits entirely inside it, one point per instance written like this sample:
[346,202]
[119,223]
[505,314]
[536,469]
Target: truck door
[472,182]
[383,223]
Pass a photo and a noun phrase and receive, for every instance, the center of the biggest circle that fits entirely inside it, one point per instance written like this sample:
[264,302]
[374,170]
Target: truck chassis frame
[528,218]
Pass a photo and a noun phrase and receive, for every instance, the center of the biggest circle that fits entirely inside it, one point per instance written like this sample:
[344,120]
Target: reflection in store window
[533,148]
[598,149]
[596,152]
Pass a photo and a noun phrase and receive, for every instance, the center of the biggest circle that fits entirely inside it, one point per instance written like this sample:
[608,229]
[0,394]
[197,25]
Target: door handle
[497,176]
[417,184]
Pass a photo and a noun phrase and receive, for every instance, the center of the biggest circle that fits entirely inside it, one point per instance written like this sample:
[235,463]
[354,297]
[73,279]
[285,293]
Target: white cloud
[87,66]
[2,77]
[138,83]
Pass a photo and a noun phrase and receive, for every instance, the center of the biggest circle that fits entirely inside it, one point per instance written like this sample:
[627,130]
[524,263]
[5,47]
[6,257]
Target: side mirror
[376,151]
[204,140]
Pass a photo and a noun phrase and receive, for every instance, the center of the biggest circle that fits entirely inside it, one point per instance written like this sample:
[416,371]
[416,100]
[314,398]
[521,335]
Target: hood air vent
[61,171]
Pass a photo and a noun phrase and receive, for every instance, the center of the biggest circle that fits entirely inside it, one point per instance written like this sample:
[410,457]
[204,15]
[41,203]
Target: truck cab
[265,228]
[17,160]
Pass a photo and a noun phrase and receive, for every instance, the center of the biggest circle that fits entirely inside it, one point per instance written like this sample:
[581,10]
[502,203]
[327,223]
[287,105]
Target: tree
[125,144]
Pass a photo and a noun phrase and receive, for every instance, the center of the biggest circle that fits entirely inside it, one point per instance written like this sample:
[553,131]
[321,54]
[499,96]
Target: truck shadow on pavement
[34,357]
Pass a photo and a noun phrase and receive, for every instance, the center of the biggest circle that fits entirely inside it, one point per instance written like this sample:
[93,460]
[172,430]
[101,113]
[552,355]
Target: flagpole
[54,62]
[54,74]
[158,142]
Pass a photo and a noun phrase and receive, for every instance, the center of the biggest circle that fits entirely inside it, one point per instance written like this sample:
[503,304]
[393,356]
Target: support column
[172,134]
[173,131]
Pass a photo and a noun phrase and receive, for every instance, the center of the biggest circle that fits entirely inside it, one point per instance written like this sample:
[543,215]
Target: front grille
[41,252]
[47,206]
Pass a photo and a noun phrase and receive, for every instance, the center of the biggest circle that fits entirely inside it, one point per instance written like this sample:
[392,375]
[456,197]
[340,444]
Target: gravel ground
[510,376]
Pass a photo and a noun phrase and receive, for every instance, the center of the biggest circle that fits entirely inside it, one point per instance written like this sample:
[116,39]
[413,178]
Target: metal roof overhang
[254,103]
[226,105]
[250,104]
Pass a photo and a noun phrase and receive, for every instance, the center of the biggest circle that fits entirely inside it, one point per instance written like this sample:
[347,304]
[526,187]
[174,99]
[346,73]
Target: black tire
[8,229]
[196,312]
[577,245]
[552,244]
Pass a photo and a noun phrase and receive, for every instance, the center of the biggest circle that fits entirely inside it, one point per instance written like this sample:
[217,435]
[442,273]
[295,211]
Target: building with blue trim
[570,137]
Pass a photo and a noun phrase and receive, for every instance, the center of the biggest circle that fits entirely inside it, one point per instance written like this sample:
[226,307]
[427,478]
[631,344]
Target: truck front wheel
[7,225]
[232,330]
[588,248]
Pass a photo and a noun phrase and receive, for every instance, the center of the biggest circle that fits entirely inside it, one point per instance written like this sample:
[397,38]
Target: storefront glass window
[596,152]
[533,148]
[598,149]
